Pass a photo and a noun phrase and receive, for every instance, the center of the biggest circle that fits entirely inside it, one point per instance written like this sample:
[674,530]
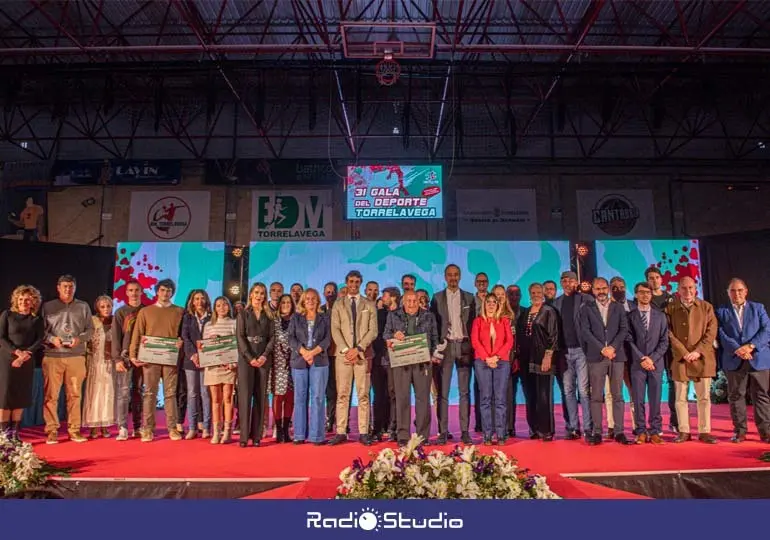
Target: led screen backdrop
[192,265]
[314,263]
[630,258]
[394,192]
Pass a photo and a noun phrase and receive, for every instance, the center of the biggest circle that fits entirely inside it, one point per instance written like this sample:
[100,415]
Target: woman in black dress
[254,329]
[21,336]
[537,337]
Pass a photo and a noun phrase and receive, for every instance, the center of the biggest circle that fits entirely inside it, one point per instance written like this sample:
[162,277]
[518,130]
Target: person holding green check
[406,321]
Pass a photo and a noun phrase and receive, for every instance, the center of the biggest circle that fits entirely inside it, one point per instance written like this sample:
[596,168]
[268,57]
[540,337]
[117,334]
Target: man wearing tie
[648,344]
[354,329]
[744,333]
[604,328]
[454,310]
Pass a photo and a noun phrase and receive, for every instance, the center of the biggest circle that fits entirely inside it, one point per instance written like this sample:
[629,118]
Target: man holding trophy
[68,327]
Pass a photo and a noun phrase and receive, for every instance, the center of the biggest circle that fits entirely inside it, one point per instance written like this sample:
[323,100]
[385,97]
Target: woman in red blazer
[492,342]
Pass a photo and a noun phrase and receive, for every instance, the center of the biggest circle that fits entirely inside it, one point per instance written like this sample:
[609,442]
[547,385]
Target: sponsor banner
[607,214]
[170,215]
[78,173]
[496,214]
[291,215]
[394,192]
[268,172]
[141,172]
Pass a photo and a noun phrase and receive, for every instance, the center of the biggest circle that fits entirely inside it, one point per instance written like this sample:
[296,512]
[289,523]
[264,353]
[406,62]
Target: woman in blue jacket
[309,337]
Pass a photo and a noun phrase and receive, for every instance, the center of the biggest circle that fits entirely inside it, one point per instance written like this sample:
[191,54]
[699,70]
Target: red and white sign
[172,216]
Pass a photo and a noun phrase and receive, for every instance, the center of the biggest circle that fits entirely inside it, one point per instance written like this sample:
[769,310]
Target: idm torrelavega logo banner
[291,215]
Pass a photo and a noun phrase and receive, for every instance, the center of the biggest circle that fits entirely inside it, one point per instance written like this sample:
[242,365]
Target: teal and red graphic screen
[394,192]
[630,258]
[192,265]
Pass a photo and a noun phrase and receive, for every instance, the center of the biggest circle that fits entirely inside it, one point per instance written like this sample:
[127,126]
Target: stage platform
[105,468]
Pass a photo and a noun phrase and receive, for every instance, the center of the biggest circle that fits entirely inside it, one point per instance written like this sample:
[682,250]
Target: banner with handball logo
[165,216]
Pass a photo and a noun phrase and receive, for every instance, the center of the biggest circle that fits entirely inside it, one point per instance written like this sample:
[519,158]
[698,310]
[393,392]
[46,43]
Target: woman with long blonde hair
[99,399]
[220,380]
[517,376]
[22,332]
[492,341]
[254,329]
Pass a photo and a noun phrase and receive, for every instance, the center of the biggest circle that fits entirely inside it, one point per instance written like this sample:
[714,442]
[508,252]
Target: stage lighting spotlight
[235,290]
[582,250]
[237,252]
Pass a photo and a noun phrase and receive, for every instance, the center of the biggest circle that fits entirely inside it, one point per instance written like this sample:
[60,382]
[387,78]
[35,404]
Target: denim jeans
[576,388]
[197,390]
[128,392]
[493,386]
[310,387]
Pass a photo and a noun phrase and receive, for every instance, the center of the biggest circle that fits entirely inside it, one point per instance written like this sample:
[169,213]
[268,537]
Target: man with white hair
[744,337]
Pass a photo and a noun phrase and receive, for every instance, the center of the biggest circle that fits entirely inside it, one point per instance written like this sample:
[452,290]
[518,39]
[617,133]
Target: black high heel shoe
[242,444]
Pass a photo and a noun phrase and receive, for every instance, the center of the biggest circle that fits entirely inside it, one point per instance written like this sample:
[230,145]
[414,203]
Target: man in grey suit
[354,329]
[454,310]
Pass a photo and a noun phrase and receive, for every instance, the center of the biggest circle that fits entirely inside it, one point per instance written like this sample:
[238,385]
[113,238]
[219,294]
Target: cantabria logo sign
[292,215]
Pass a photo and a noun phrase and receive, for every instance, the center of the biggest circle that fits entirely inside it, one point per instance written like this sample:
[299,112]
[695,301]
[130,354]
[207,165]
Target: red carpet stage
[198,469]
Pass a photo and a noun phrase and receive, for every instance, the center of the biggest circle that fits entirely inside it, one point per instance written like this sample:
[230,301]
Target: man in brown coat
[692,331]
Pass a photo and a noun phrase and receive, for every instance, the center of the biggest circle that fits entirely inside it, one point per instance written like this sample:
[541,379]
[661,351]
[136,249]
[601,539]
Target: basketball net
[387,71]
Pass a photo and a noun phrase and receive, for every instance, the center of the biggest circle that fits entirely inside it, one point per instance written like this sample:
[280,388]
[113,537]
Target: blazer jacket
[366,326]
[755,331]
[440,310]
[255,337]
[298,339]
[695,330]
[595,335]
[651,341]
[481,338]
[425,324]
[191,335]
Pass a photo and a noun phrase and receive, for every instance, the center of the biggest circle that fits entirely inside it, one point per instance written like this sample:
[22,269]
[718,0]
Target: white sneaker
[122,434]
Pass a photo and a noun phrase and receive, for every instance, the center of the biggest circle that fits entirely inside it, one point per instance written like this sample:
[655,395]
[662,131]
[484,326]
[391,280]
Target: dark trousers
[442,374]
[671,395]
[252,390]
[493,386]
[540,404]
[514,381]
[597,376]
[331,398]
[758,383]
[384,398]
[181,399]
[477,426]
[652,382]
[404,378]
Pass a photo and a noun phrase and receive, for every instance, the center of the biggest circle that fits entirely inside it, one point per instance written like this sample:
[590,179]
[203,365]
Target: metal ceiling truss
[466,30]
[469,114]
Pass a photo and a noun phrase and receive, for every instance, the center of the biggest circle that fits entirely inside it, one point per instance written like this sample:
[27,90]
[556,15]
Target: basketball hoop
[387,71]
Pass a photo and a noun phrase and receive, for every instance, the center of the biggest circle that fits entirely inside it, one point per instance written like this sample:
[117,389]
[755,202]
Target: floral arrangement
[464,473]
[22,469]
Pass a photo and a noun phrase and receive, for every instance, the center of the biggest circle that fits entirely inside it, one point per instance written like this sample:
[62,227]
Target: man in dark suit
[604,328]
[571,360]
[648,344]
[454,310]
[744,333]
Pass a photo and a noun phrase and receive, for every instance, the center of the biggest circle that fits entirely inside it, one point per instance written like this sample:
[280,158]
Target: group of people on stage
[310,352]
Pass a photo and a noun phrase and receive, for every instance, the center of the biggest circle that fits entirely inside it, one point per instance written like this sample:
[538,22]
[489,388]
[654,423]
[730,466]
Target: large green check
[412,350]
[218,351]
[158,350]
